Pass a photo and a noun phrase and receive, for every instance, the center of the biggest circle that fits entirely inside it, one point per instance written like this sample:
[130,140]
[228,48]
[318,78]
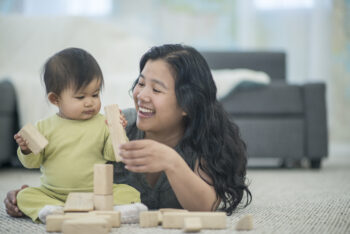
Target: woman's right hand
[11,202]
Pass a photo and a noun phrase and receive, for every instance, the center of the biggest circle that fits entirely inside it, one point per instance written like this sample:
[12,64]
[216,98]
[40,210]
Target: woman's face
[155,100]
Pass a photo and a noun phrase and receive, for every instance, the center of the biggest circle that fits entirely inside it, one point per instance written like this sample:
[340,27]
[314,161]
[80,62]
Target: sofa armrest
[316,120]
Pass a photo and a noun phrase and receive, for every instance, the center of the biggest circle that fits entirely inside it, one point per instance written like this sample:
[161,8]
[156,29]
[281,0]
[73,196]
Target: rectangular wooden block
[117,132]
[103,202]
[54,222]
[192,224]
[79,202]
[164,210]
[89,225]
[103,179]
[209,220]
[149,218]
[36,141]
[115,216]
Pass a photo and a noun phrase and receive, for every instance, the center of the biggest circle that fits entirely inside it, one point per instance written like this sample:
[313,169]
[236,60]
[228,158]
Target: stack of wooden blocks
[89,212]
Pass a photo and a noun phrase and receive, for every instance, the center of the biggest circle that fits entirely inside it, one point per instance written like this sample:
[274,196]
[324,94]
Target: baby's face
[82,104]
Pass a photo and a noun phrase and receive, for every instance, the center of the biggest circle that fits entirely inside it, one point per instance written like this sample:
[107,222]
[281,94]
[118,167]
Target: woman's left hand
[147,156]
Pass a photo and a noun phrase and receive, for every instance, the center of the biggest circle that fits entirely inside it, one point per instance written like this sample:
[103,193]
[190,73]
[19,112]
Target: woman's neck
[169,138]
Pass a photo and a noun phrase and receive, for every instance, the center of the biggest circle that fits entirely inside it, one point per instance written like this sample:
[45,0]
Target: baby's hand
[23,144]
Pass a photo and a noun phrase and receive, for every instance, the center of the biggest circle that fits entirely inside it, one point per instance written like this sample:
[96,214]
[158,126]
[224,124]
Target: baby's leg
[127,200]
[32,200]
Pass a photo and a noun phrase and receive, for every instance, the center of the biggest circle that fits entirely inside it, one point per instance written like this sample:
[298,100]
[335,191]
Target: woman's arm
[191,190]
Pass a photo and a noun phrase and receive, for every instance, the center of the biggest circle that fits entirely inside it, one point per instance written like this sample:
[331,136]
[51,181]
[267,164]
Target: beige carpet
[284,201]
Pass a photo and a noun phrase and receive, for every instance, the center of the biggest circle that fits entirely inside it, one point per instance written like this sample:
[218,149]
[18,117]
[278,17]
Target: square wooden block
[103,202]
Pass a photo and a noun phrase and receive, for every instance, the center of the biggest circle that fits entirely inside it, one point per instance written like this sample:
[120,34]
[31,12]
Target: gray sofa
[279,120]
[8,123]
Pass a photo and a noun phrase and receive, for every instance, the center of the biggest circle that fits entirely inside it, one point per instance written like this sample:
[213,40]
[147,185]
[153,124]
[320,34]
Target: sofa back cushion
[271,62]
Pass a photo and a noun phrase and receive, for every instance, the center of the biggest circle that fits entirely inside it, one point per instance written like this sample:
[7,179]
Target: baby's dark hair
[71,67]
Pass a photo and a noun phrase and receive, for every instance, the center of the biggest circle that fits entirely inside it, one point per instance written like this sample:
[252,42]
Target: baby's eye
[79,97]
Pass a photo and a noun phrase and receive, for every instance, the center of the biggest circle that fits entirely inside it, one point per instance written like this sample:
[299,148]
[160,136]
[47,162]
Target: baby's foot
[48,210]
[130,212]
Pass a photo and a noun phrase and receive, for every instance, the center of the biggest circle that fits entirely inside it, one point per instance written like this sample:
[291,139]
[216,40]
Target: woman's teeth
[144,110]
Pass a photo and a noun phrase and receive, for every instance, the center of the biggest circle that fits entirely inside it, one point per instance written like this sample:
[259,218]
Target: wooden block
[54,222]
[36,141]
[103,202]
[79,202]
[117,132]
[192,224]
[209,220]
[115,216]
[103,179]
[245,223]
[89,225]
[149,218]
[163,210]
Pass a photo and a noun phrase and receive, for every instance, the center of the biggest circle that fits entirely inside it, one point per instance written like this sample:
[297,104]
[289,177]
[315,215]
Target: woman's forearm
[193,193]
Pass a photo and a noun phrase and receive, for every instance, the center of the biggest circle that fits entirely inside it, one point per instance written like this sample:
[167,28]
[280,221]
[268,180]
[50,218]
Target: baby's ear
[53,98]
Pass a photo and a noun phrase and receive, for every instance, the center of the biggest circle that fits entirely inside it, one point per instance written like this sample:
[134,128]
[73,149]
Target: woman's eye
[156,90]
[95,95]
[141,84]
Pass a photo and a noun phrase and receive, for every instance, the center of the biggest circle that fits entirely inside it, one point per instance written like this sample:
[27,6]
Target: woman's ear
[53,98]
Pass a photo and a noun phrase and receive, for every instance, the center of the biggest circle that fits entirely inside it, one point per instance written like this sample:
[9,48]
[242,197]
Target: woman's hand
[11,202]
[147,156]
[23,144]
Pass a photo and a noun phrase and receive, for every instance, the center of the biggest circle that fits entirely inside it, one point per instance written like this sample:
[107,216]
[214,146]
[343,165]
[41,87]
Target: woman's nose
[143,95]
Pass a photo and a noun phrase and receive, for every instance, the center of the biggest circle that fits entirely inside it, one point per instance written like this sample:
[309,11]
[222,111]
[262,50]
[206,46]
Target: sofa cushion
[276,98]
[7,98]
[273,137]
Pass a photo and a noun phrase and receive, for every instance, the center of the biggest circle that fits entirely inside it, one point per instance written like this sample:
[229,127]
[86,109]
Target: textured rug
[284,201]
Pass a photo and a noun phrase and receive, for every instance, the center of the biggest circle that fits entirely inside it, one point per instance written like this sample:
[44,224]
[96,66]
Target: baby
[78,138]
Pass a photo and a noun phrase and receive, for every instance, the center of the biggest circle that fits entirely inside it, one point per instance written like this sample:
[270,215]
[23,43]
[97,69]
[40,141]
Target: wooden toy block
[79,202]
[245,223]
[209,220]
[36,141]
[89,225]
[117,132]
[103,179]
[103,202]
[115,216]
[149,218]
[192,224]
[163,210]
[54,222]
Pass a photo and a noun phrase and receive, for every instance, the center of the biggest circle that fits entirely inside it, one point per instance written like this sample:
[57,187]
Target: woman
[183,152]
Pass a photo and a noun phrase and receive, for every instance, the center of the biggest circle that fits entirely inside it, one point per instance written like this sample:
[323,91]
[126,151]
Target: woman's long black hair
[219,150]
